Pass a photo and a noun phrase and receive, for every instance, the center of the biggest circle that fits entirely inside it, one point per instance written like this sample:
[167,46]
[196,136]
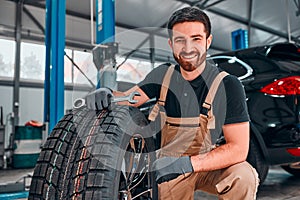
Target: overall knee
[249,175]
[241,180]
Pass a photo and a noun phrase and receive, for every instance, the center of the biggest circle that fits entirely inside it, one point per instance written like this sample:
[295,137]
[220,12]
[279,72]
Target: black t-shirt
[185,98]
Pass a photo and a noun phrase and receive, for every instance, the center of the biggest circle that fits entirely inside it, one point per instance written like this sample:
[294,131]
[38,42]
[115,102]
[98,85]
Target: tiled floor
[279,185]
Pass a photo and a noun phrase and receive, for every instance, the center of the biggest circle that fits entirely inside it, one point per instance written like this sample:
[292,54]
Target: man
[195,102]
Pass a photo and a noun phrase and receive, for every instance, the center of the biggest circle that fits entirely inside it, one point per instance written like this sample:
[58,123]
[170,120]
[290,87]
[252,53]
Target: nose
[188,47]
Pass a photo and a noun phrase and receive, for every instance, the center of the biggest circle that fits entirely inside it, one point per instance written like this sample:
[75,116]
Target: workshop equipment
[28,141]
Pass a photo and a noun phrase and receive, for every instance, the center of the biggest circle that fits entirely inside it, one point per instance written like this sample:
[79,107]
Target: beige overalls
[191,136]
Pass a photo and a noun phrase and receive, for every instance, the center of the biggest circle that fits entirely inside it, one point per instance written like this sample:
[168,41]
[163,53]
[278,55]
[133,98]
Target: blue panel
[60,59]
[105,21]
[16,195]
[239,39]
[55,45]
[53,79]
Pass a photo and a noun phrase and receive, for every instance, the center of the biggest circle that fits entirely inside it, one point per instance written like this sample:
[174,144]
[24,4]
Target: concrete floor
[279,185]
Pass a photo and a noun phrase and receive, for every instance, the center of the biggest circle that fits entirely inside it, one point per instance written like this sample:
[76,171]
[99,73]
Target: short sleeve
[236,110]
[152,83]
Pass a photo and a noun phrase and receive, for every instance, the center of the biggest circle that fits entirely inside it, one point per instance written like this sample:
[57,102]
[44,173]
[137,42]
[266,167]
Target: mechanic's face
[189,44]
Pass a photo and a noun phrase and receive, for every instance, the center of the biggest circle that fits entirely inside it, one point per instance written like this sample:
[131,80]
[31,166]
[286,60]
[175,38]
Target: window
[33,58]
[32,61]
[84,61]
[133,70]
[7,58]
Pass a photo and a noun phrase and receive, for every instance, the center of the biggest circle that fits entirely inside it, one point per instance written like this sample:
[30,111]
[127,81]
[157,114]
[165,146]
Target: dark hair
[189,14]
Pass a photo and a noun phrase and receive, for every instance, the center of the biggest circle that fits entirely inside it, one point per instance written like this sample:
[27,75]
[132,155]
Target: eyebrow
[198,35]
[178,37]
[192,36]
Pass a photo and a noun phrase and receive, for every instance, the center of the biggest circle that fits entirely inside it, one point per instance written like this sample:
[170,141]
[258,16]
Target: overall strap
[210,97]
[165,85]
[213,88]
[163,93]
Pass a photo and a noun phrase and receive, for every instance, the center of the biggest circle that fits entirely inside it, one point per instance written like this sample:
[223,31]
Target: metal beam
[203,5]
[40,85]
[238,19]
[121,25]
[288,21]
[36,22]
[297,3]
[253,24]
[216,11]
[250,21]
[25,36]
[16,92]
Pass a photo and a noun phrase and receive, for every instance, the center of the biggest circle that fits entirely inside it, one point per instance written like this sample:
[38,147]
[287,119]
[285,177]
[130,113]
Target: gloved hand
[99,99]
[169,168]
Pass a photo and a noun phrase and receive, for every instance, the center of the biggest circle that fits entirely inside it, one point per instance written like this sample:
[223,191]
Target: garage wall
[32,102]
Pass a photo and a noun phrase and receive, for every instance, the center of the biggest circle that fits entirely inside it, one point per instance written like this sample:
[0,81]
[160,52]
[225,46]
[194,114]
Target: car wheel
[103,155]
[292,168]
[256,159]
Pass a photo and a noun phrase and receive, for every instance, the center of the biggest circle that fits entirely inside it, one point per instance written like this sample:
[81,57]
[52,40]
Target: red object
[294,151]
[284,86]
[33,123]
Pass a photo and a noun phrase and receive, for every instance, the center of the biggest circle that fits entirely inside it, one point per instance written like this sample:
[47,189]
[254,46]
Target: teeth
[189,56]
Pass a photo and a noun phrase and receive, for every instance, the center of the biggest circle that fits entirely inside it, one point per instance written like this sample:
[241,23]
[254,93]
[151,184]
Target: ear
[209,41]
[170,43]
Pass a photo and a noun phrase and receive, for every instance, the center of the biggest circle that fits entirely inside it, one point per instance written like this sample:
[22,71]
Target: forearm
[221,157]
[234,151]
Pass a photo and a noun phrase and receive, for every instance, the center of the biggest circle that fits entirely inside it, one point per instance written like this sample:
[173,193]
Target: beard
[187,65]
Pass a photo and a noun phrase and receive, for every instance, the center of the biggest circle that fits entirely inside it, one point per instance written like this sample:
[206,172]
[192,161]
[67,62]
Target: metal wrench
[78,103]
[129,98]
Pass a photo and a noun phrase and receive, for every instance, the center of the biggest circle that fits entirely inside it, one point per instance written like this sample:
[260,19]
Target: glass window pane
[84,61]
[231,66]
[7,57]
[32,61]
[133,70]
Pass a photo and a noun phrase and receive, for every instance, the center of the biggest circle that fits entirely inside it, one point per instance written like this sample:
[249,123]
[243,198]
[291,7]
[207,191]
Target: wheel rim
[134,170]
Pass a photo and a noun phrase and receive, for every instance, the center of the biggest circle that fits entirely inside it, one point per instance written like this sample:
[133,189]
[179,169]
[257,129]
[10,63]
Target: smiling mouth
[189,56]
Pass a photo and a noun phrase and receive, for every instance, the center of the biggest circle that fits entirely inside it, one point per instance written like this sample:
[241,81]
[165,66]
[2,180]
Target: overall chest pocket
[181,140]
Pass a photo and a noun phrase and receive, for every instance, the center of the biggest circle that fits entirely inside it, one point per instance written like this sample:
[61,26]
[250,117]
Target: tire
[93,155]
[293,168]
[256,159]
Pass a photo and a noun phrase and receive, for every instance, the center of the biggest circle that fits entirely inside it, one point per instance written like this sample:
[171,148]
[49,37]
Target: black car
[271,78]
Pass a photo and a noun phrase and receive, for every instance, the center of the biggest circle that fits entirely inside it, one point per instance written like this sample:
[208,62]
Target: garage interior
[68,31]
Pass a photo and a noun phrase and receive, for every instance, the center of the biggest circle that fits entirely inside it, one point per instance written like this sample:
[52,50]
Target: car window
[232,65]
[292,66]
